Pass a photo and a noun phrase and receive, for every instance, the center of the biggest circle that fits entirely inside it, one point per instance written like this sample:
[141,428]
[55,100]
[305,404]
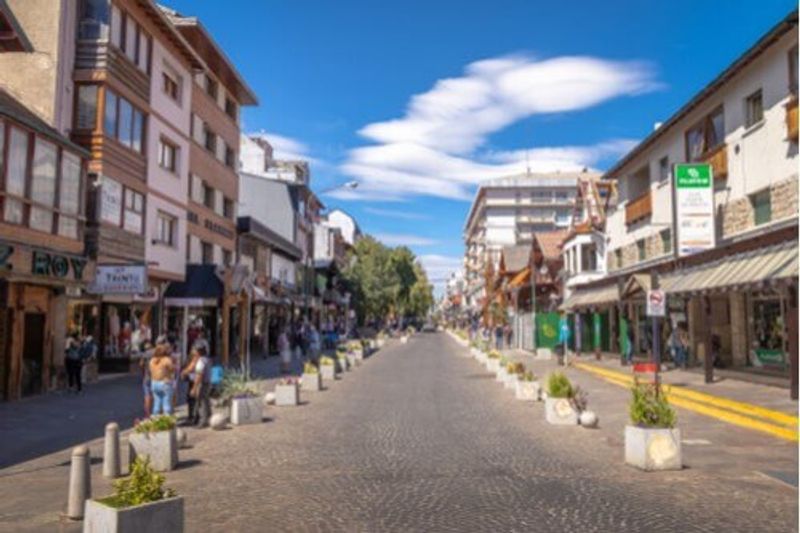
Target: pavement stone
[421,438]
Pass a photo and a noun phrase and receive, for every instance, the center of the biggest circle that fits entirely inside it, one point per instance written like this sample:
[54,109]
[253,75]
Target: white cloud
[434,149]
[284,147]
[391,213]
[438,269]
[402,239]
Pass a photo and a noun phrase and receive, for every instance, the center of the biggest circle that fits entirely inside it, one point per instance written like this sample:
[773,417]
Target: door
[33,353]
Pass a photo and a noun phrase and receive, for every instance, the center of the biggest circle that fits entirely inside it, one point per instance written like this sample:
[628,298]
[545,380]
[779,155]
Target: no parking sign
[656,303]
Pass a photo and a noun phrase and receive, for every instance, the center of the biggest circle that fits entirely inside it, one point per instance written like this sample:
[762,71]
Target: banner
[694,199]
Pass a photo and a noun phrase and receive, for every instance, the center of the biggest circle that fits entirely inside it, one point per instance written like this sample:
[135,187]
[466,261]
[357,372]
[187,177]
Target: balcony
[639,208]
[718,159]
[791,119]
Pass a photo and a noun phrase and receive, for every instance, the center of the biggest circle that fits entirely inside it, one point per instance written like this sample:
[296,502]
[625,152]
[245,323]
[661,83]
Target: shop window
[69,196]
[134,211]
[168,156]
[167,229]
[86,115]
[641,250]
[666,240]
[768,332]
[43,186]
[762,207]
[15,175]
[706,135]
[753,109]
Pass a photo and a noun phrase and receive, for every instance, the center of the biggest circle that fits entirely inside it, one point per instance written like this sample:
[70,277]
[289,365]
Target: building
[217,94]
[737,295]
[347,225]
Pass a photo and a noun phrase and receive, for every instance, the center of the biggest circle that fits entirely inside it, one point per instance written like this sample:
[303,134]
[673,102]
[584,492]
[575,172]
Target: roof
[15,39]
[14,109]
[160,19]
[778,31]
[516,257]
[262,232]
[550,242]
[217,61]
[593,297]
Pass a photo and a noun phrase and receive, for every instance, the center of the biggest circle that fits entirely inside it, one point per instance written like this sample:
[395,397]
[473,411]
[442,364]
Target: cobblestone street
[419,438]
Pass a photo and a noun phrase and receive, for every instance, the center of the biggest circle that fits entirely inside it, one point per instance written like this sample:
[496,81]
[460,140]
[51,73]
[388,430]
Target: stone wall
[738,215]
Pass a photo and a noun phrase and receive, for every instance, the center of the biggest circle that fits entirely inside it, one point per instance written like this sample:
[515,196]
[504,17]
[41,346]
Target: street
[420,438]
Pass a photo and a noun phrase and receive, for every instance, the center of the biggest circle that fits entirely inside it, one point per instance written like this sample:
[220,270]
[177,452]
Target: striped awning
[583,298]
[773,263]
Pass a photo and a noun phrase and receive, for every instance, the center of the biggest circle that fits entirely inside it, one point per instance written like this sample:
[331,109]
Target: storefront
[35,288]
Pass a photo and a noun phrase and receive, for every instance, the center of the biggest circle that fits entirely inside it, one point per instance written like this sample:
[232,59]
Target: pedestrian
[162,374]
[144,365]
[73,363]
[629,344]
[314,344]
[187,376]
[201,388]
[285,351]
[683,335]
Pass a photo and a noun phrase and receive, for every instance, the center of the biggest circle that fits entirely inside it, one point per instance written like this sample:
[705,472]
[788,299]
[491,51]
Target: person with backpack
[73,363]
[201,388]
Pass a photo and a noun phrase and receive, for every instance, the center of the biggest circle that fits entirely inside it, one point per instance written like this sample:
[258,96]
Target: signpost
[656,309]
[694,208]
[656,303]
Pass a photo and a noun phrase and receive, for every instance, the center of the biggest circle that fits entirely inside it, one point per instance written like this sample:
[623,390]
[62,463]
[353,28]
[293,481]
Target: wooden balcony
[718,159]
[639,208]
[791,119]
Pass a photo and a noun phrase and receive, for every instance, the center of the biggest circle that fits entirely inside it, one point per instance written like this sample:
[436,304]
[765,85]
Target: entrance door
[33,354]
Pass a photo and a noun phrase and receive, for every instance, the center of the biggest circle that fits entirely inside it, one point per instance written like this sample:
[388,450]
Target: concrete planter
[246,411]
[343,365]
[380,343]
[511,381]
[155,517]
[311,382]
[160,446]
[493,365]
[501,375]
[353,360]
[653,448]
[328,372]
[404,339]
[559,412]
[527,391]
[287,395]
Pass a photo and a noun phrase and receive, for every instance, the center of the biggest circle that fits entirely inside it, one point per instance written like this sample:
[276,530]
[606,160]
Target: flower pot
[351,358]
[501,375]
[154,517]
[160,446]
[559,412]
[246,411]
[328,372]
[511,381]
[287,395]
[311,382]
[493,365]
[653,448]
[343,364]
[527,391]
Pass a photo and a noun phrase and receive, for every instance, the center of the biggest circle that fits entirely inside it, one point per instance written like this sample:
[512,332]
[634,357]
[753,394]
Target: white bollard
[80,482]
[111,459]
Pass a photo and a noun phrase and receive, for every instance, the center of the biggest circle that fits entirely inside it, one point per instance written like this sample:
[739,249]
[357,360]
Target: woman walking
[162,374]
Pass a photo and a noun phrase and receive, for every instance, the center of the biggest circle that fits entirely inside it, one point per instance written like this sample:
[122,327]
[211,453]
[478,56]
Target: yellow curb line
[686,402]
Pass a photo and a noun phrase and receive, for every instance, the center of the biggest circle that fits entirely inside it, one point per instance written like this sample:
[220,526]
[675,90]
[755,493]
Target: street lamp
[348,185]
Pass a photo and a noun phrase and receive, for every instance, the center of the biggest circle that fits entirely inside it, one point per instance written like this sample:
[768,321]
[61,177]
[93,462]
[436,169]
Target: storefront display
[768,332]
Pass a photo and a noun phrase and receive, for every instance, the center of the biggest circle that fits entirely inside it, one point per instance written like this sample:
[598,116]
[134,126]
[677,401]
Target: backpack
[217,373]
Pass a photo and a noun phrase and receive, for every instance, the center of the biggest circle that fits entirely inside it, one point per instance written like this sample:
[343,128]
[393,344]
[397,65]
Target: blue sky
[421,100]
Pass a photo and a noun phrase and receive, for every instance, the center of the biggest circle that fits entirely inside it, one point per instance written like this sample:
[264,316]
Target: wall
[283,269]
[269,202]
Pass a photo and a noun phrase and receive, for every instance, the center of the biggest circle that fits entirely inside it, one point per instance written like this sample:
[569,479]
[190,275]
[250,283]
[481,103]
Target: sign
[57,265]
[694,208]
[656,303]
[120,279]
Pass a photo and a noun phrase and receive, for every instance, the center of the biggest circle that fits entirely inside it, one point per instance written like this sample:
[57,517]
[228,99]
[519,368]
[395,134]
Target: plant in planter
[327,368]
[355,348]
[493,361]
[527,388]
[245,405]
[513,371]
[652,442]
[559,409]
[140,504]
[342,363]
[287,392]
[311,379]
[502,370]
[155,439]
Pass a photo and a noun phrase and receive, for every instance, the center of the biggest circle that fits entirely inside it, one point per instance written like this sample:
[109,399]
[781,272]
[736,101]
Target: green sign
[693,176]
[771,357]
[546,329]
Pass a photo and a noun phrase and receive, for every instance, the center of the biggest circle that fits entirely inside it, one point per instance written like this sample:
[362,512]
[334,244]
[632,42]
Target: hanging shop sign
[656,303]
[694,208]
[120,279]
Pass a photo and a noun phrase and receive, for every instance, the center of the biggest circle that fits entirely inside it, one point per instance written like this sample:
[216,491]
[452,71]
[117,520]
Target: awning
[523,277]
[773,263]
[595,297]
[201,284]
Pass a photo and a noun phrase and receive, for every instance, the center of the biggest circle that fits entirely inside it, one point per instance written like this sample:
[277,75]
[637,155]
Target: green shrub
[528,376]
[515,368]
[156,423]
[503,361]
[144,485]
[558,386]
[494,354]
[327,361]
[342,348]
[235,385]
[649,407]
[309,368]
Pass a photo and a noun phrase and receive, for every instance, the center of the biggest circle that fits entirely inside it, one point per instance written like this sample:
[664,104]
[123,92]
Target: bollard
[80,482]
[111,460]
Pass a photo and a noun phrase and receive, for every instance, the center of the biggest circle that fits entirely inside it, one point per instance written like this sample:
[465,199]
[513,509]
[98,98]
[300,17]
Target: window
[793,70]
[640,248]
[167,229]
[228,208]
[230,157]
[69,196]
[207,252]
[762,207]
[211,87]
[111,202]
[86,115]
[663,169]
[753,109]
[562,196]
[666,240]
[94,19]
[137,133]
[541,196]
[618,257]
[117,20]
[209,139]
[231,108]
[15,175]
[562,216]
[131,39]
[134,211]
[208,196]
[123,122]
[168,156]
[227,257]
[110,119]
[196,186]
[588,258]
[705,135]
[43,186]
[170,86]
[125,133]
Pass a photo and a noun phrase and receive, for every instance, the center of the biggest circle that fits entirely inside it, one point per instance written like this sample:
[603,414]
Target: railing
[639,208]
[718,159]
[791,119]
